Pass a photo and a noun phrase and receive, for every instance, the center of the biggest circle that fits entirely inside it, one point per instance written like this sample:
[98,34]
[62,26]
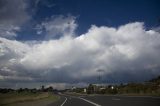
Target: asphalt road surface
[67,100]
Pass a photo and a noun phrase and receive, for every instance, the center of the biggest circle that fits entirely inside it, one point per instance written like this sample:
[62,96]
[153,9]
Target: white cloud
[58,26]
[127,53]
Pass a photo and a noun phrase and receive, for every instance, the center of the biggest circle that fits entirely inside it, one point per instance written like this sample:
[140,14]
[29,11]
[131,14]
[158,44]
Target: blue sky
[88,12]
[65,42]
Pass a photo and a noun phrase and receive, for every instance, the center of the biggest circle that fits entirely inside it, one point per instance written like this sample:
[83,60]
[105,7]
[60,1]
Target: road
[67,100]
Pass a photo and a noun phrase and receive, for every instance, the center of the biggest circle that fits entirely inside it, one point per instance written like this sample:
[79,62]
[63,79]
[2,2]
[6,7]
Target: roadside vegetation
[9,97]
[148,88]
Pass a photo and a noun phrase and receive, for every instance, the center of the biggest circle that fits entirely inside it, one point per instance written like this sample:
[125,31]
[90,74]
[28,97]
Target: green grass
[14,97]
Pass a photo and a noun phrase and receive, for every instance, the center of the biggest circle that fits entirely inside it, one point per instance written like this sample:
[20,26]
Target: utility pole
[100,71]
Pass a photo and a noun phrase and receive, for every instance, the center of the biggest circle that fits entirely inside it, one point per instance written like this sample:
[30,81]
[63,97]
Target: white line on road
[64,101]
[95,104]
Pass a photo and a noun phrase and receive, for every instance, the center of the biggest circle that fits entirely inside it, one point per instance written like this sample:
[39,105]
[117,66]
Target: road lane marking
[64,101]
[95,104]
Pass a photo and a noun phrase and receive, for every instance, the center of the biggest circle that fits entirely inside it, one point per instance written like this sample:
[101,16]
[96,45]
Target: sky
[64,43]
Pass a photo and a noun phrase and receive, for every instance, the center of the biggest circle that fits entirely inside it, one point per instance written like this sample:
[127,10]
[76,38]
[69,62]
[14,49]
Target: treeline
[34,90]
[151,87]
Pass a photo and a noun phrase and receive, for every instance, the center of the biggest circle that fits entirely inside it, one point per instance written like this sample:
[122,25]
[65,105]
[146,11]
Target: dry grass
[14,97]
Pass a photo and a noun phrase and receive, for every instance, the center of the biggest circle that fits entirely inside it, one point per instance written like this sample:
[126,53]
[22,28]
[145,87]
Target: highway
[68,100]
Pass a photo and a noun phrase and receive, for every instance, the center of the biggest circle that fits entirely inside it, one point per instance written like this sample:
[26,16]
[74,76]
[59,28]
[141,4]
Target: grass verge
[14,97]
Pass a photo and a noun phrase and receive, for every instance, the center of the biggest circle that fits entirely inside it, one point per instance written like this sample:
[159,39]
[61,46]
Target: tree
[90,89]
[42,88]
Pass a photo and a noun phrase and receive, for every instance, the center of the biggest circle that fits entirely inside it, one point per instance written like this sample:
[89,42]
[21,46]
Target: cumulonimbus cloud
[127,53]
